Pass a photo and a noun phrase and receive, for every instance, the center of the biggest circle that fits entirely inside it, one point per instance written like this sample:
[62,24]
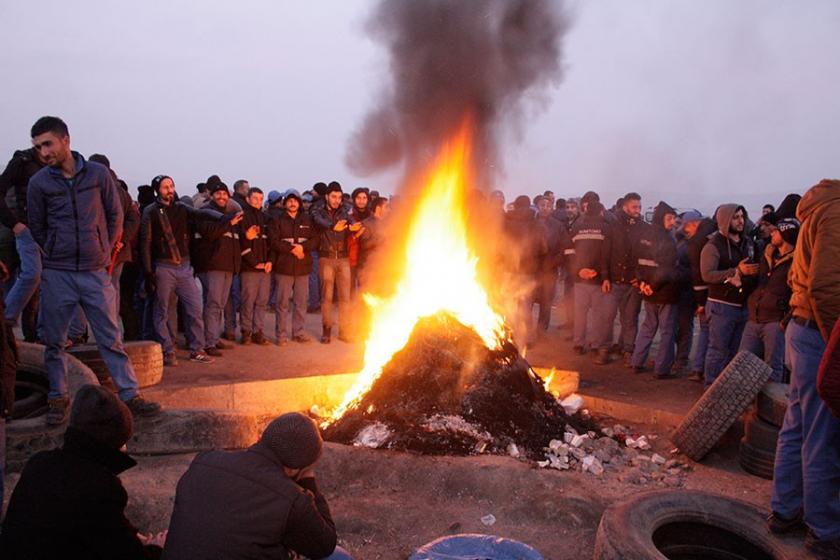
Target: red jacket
[828,378]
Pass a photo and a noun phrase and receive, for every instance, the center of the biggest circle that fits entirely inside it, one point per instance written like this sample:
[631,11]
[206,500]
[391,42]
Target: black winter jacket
[76,222]
[286,231]
[528,237]
[591,247]
[656,259]
[131,227]
[240,504]
[257,250]
[217,248]
[333,243]
[70,503]
[700,288]
[14,182]
[557,241]
[185,222]
[624,235]
[770,302]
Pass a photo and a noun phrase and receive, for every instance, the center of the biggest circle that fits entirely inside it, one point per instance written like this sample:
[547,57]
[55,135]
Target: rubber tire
[772,402]
[756,461]
[730,395]
[627,527]
[145,356]
[759,434]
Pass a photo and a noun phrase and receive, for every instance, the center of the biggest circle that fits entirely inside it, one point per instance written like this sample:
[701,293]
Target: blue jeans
[698,358]
[255,291]
[661,317]
[685,326]
[339,554]
[314,284]
[62,291]
[28,277]
[590,299]
[767,341]
[178,280]
[807,472]
[625,301]
[217,290]
[726,324]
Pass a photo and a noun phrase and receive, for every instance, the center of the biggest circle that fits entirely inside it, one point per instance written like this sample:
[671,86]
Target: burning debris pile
[446,392]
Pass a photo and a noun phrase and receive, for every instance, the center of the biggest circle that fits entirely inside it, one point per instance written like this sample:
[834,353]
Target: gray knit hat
[101,415]
[294,439]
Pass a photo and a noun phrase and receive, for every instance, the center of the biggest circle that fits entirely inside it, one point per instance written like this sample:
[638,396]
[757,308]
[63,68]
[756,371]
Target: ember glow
[439,271]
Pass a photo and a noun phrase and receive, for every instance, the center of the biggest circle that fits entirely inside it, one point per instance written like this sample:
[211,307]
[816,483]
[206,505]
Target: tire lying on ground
[756,461]
[687,524]
[145,356]
[731,393]
[772,402]
[759,434]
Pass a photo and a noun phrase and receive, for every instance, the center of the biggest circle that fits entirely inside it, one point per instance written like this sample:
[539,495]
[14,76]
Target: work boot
[603,357]
[822,549]
[223,346]
[325,336]
[141,407]
[615,349]
[302,337]
[229,335]
[246,338]
[57,412]
[213,351]
[282,341]
[779,525]
[628,359]
[259,338]
[170,359]
[696,376]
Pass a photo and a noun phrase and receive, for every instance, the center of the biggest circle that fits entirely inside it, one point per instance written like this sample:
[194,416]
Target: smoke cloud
[489,59]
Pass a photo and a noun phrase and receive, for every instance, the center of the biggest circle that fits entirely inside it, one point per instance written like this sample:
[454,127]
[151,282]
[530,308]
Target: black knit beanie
[101,415]
[789,230]
[294,439]
[158,180]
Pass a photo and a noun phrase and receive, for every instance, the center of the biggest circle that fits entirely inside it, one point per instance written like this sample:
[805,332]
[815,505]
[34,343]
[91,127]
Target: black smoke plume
[450,59]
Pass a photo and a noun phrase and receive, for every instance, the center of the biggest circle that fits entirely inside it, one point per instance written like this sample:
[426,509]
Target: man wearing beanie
[69,502]
[806,475]
[768,305]
[262,502]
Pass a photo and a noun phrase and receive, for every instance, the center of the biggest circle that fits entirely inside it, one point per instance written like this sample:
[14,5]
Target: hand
[268,267]
[237,218]
[736,280]
[340,225]
[252,232]
[700,310]
[587,273]
[118,246]
[605,286]
[153,539]
[356,227]
[646,289]
[307,472]
[4,271]
[19,228]
[747,269]
[260,266]
[297,250]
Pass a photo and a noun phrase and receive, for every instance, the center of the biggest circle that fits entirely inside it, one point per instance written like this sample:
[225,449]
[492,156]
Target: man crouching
[262,502]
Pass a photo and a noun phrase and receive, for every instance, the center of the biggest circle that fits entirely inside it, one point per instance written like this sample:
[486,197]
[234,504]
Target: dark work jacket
[13,186]
[217,248]
[333,244]
[557,242]
[257,250]
[657,263]
[240,504]
[76,222]
[730,255]
[185,222]
[288,230]
[591,247]
[131,226]
[695,246]
[70,503]
[528,236]
[371,239]
[624,234]
[770,302]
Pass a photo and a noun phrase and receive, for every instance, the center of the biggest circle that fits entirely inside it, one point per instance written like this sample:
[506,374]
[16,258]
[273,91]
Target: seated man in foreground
[258,503]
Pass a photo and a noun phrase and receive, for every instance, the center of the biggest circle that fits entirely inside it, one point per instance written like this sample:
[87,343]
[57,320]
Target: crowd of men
[83,256]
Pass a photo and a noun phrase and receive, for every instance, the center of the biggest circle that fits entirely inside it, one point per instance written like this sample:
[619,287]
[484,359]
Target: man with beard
[359,213]
[624,297]
[335,225]
[557,241]
[256,267]
[294,237]
[727,265]
[658,277]
[165,232]
[76,217]
[769,303]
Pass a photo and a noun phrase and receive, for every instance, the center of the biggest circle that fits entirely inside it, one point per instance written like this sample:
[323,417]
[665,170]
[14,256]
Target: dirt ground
[386,503]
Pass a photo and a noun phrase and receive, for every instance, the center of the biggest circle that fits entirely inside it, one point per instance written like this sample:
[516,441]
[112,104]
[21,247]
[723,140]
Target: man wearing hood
[727,265]
[294,237]
[658,274]
[806,476]
[769,303]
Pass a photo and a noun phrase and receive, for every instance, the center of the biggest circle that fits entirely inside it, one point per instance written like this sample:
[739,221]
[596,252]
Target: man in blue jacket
[75,215]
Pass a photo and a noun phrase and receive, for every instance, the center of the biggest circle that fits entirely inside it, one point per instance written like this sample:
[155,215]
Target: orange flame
[439,273]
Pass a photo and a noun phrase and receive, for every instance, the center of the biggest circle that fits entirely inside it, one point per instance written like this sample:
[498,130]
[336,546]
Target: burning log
[446,392]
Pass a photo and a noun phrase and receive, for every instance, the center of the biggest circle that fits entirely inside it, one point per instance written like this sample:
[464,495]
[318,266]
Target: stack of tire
[145,356]
[761,430]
